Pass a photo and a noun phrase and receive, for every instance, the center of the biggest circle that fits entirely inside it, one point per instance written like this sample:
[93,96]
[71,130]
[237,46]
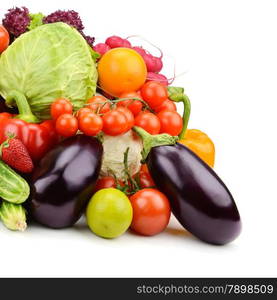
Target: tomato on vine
[144,168]
[154,93]
[82,111]
[99,104]
[149,122]
[104,183]
[135,106]
[59,107]
[107,182]
[171,122]
[166,105]
[145,180]
[114,123]
[129,116]
[90,123]
[66,125]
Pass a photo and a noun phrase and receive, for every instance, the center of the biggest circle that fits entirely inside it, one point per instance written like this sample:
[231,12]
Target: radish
[157,77]
[139,50]
[126,44]
[153,63]
[150,62]
[101,48]
[116,41]
[159,64]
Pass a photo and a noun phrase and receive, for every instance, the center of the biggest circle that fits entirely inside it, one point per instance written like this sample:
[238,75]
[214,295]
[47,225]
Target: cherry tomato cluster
[143,179]
[61,112]
[149,108]
[164,117]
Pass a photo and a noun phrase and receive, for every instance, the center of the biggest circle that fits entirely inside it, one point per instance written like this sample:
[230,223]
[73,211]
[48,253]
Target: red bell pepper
[38,138]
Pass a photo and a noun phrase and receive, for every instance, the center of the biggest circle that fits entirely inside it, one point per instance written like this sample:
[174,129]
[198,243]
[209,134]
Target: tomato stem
[134,99]
[120,100]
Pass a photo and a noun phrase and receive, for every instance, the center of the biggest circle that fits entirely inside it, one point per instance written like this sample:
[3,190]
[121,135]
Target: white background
[228,50]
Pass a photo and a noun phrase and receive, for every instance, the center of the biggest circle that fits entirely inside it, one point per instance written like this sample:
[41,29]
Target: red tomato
[66,125]
[61,106]
[114,123]
[166,105]
[97,104]
[90,123]
[145,180]
[135,106]
[171,122]
[148,122]
[129,116]
[144,168]
[151,211]
[105,182]
[154,93]
[4,39]
[82,111]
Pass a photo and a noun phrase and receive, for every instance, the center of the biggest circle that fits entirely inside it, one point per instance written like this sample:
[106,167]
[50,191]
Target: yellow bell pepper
[199,142]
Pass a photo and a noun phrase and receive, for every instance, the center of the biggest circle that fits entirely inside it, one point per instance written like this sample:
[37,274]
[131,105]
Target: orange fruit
[121,70]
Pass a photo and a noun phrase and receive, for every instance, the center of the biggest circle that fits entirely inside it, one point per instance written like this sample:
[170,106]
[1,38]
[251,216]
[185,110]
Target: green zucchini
[13,188]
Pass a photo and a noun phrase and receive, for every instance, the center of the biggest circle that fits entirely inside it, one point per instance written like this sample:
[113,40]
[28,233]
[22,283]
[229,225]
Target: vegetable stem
[149,141]
[23,106]
[120,100]
[177,94]
[134,99]
[134,185]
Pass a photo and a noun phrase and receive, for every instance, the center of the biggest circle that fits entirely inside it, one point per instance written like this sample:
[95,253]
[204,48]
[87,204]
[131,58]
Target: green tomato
[109,213]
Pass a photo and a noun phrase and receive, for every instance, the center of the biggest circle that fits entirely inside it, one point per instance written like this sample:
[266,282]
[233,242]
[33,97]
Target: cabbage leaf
[49,62]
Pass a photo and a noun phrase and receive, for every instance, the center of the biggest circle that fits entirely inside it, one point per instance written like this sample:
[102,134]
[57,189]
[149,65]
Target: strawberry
[15,154]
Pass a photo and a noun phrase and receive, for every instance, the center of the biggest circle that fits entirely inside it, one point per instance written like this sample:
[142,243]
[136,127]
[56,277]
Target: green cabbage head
[46,63]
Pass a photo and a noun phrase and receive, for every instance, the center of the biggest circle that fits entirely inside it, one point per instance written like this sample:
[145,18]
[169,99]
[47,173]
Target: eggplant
[63,181]
[199,199]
